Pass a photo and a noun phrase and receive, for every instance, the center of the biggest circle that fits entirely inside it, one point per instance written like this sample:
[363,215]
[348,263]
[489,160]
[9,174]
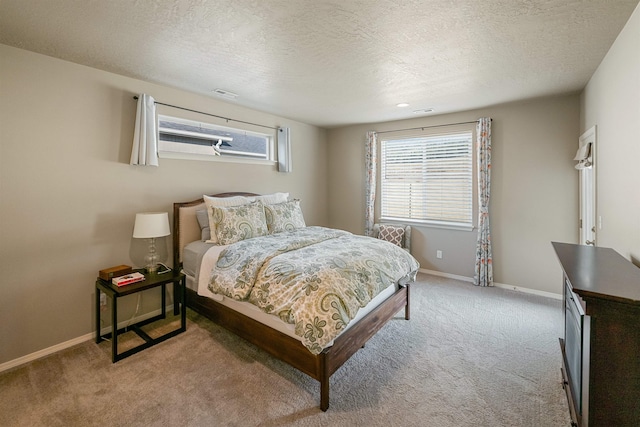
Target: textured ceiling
[332,63]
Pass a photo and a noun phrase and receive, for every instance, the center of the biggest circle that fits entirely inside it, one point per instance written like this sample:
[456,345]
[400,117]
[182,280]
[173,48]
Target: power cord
[135,313]
[166,270]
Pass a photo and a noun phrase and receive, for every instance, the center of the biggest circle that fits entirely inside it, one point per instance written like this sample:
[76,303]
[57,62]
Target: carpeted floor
[468,357]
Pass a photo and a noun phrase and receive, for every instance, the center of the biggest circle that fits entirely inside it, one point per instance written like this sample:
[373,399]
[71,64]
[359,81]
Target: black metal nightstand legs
[177,279]
[98,338]
[114,329]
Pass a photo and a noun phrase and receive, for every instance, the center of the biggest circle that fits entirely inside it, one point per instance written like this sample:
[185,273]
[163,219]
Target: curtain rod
[427,127]
[212,115]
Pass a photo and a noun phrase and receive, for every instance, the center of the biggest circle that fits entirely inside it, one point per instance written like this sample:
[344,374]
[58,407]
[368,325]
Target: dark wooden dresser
[601,343]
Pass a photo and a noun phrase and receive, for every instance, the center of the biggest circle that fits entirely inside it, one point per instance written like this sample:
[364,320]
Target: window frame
[228,158]
[472,179]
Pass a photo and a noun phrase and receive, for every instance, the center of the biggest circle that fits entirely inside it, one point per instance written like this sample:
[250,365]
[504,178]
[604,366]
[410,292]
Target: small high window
[208,140]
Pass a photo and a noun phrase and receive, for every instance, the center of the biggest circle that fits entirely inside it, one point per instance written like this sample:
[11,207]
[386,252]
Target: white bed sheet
[208,261]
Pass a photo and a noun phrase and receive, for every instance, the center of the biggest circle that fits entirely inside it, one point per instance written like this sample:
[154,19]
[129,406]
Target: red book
[128,279]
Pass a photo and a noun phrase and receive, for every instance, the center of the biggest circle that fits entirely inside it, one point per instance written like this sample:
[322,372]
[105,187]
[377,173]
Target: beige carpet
[469,357]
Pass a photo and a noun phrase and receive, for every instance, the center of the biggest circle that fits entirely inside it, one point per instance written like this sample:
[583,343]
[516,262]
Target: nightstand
[151,281]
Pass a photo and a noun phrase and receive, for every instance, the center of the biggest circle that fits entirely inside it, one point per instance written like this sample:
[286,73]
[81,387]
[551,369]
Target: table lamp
[150,225]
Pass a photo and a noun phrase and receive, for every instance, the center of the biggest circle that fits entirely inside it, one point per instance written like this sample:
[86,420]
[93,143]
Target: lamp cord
[167,269]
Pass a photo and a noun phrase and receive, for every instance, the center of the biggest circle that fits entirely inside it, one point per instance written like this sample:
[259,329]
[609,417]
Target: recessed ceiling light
[423,111]
[225,93]
[402,105]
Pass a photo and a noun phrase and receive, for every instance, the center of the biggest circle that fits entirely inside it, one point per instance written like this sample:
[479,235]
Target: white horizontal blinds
[428,178]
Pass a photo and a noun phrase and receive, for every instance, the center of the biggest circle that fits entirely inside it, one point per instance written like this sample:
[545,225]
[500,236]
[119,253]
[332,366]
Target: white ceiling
[332,62]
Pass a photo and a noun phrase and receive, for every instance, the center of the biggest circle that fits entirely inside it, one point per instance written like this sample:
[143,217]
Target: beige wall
[534,191]
[68,196]
[611,102]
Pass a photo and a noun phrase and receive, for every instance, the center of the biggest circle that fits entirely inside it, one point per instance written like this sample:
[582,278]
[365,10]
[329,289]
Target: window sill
[430,224]
[208,158]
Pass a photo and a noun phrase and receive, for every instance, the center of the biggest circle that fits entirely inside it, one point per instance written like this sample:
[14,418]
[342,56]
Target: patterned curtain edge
[371,162]
[484,259]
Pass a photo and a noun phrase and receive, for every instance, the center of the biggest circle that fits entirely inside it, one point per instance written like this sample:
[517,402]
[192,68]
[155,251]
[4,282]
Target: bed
[196,256]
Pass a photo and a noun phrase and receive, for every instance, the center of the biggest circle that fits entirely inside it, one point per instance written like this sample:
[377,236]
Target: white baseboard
[528,291]
[447,275]
[75,341]
[497,285]
[44,352]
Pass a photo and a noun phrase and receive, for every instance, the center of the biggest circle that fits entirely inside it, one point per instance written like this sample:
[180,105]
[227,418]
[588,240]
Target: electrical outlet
[439,254]
[103,300]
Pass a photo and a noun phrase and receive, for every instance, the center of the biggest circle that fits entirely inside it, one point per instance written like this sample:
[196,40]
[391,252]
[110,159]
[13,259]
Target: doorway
[587,168]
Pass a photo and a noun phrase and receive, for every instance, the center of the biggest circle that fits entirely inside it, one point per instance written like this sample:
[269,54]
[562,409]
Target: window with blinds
[428,179]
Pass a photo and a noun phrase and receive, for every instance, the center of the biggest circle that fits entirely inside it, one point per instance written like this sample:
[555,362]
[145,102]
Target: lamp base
[152,258]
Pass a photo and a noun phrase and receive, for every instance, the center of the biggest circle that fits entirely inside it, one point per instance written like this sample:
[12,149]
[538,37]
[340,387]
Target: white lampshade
[151,224]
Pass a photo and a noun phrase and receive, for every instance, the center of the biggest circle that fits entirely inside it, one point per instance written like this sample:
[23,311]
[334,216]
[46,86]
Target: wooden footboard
[290,350]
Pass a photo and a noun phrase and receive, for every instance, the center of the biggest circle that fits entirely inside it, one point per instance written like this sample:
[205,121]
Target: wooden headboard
[185,224]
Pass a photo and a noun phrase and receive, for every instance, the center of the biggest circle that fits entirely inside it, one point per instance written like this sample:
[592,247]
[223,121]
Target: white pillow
[217,202]
[272,199]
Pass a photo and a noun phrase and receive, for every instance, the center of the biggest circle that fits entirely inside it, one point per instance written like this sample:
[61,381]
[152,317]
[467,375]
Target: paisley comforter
[315,278]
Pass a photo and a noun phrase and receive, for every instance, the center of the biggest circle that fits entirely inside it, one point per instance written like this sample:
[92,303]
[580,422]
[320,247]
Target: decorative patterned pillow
[392,234]
[235,223]
[284,216]
[211,202]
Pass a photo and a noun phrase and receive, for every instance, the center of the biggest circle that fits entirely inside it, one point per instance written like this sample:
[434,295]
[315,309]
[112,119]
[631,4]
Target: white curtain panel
[145,136]
[283,141]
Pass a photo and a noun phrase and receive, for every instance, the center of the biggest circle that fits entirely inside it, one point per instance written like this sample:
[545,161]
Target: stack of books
[128,279]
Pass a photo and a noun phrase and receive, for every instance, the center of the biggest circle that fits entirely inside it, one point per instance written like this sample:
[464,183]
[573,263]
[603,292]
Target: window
[202,140]
[428,179]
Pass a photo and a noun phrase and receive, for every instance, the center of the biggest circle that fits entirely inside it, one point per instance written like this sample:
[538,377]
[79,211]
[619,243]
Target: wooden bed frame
[282,346]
